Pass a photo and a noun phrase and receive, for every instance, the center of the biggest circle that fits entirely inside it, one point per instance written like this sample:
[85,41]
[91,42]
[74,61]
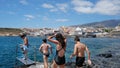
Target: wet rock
[105,55]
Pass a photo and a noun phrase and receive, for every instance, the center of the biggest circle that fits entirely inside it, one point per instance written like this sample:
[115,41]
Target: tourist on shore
[59,59]
[44,49]
[24,46]
[79,52]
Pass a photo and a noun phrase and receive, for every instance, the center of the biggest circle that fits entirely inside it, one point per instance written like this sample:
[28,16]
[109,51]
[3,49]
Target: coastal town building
[69,31]
[117,28]
[78,31]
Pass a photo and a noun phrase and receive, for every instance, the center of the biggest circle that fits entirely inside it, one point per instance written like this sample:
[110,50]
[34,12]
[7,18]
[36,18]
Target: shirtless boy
[24,46]
[44,48]
[79,52]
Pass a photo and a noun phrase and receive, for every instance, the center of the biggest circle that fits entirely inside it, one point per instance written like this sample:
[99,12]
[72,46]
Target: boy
[79,52]
[44,48]
[24,46]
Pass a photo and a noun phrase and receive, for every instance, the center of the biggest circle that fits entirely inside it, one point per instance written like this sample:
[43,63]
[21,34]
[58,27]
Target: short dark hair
[76,38]
[22,35]
[44,40]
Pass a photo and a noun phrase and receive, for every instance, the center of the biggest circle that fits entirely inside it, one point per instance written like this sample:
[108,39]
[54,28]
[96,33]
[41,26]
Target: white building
[78,31]
[117,28]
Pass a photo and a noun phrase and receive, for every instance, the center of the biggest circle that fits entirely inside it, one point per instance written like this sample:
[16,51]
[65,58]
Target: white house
[78,31]
[117,28]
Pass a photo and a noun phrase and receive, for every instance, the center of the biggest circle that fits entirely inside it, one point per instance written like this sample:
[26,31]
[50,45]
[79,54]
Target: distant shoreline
[16,31]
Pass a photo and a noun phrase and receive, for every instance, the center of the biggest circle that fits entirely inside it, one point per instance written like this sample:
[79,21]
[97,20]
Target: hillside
[12,31]
[106,23]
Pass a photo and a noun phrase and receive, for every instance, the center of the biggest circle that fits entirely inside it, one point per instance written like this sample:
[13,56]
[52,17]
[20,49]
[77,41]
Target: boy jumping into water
[79,52]
[44,48]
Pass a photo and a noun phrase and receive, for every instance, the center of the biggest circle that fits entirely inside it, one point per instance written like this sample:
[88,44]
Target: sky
[56,13]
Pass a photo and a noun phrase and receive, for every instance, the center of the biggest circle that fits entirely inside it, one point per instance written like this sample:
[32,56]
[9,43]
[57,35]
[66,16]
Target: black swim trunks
[47,55]
[59,60]
[80,61]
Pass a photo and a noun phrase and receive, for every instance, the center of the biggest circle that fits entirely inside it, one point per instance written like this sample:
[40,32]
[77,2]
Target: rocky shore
[109,58]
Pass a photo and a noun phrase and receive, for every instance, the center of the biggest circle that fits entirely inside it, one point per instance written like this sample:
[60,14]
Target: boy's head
[44,40]
[22,35]
[76,38]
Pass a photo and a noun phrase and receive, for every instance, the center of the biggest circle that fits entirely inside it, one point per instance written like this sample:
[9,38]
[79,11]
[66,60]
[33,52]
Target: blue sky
[56,13]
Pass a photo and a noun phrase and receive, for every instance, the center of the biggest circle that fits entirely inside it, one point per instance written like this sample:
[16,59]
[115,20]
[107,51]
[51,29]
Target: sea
[10,48]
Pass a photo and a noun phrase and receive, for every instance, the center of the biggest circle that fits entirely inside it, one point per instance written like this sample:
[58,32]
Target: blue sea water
[9,44]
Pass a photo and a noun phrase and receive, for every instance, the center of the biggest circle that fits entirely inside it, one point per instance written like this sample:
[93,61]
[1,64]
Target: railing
[16,55]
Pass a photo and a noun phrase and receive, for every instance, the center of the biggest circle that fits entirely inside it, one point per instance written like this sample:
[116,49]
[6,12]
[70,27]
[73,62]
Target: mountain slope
[106,23]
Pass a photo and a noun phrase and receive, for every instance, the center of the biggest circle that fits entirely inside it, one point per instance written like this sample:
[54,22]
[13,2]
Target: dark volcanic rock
[110,58]
[106,55]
